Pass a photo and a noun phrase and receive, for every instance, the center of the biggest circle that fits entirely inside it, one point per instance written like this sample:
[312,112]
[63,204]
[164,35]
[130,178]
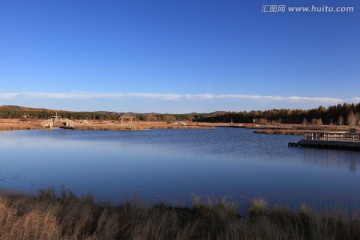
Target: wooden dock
[335,140]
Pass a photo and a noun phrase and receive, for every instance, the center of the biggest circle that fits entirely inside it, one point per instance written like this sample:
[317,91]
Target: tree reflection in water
[332,158]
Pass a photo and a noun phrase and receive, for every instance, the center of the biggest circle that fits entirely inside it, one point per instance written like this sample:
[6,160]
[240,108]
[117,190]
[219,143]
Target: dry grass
[16,124]
[137,125]
[293,129]
[296,129]
[66,216]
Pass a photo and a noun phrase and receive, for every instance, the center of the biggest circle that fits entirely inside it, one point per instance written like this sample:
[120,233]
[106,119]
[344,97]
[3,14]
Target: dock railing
[340,137]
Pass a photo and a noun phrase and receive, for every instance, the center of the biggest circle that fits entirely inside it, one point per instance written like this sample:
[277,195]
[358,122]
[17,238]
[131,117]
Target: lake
[173,166]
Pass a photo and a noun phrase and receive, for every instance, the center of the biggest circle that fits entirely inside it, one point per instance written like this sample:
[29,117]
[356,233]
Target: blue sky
[177,56]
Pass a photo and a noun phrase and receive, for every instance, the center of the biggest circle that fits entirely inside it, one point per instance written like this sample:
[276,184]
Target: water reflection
[332,158]
[161,165]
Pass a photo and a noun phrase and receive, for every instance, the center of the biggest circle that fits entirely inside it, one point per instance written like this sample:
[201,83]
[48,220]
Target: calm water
[175,165]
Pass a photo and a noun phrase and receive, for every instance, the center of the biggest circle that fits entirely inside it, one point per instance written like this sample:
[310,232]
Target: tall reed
[66,216]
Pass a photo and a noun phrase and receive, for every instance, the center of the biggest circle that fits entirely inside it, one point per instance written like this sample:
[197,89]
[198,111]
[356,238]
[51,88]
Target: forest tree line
[341,114]
[38,113]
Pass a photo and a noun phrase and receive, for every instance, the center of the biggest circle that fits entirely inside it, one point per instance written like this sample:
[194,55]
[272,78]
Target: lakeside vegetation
[41,113]
[341,114]
[65,216]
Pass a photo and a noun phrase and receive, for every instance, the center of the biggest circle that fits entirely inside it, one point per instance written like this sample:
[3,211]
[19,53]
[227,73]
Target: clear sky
[177,56]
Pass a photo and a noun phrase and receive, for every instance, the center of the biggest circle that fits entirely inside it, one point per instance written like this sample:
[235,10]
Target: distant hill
[10,111]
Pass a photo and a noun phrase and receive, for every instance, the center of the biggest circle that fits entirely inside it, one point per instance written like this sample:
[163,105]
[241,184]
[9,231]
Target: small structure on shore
[51,121]
[56,118]
[24,118]
[47,124]
[83,121]
[182,123]
[66,123]
[331,140]
[127,118]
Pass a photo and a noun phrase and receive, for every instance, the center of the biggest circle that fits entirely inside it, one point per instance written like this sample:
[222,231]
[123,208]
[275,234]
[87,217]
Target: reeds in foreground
[65,216]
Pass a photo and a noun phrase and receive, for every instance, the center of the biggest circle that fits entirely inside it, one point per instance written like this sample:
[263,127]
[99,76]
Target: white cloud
[163,102]
[53,95]
[314,99]
[166,96]
[171,97]
[8,96]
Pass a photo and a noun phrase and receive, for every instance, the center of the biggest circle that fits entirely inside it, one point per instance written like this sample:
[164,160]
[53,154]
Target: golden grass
[66,216]
[291,129]
[297,129]
[16,124]
[31,221]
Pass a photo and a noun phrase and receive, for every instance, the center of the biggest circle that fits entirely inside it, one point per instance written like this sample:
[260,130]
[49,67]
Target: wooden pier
[335,140]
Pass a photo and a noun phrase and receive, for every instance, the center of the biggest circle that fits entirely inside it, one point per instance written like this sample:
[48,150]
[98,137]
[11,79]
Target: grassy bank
[66,216]
[297,129]
[290,129]
[16,124]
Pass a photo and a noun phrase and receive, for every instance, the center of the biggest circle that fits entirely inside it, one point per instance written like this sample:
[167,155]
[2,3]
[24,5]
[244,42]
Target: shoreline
[297,129]
[110,125]
[36,124]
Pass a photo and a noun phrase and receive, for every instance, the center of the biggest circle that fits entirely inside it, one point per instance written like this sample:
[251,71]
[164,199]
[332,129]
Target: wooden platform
[327,145]
[339,141]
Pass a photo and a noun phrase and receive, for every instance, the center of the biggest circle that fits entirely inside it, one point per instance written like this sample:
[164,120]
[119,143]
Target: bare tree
[351,121]
[151,118]
[316,121]
[304,122]
[319,121]
[169,118]
[341,121]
